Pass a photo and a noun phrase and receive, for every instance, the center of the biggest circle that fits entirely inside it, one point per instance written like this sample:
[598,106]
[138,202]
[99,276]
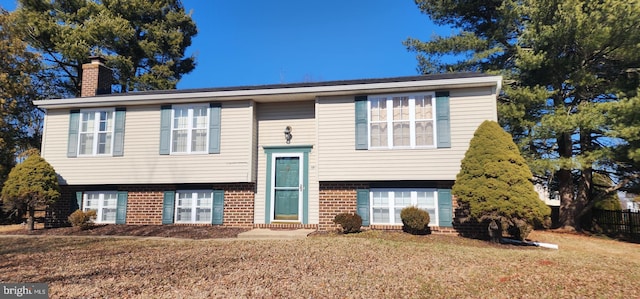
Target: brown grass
[367,265]
[174,231]
[18,228]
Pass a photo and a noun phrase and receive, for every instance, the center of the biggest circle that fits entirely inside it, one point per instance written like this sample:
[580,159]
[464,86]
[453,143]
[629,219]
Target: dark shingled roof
[309,84]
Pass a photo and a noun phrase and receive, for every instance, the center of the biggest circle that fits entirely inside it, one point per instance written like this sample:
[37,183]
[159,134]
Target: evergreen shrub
[31,184]
[495,183]
[415,221]
[350,222]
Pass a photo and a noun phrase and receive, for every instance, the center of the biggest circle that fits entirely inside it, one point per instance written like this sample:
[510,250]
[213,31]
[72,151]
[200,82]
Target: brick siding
[336,198]
[239,202]
[144,203]
[285,226]
[144,207]
[340,197]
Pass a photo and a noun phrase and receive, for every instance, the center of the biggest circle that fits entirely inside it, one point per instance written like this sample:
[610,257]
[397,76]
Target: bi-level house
[285,155]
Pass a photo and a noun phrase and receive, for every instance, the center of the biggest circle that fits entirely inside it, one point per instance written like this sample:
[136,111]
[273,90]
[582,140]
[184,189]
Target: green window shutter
[165,130]
[121,207]
[445,208]
[443,119]
[77,204]
[214,128]
[362,130]
[118,133]
[218,206]
[167,207]
[74,125]
[363,205]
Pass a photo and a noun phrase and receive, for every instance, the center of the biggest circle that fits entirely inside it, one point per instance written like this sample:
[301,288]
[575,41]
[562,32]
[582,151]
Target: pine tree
[494,182]
[562,60]
[19,120]
[31,184]
[143,41]
[625,129]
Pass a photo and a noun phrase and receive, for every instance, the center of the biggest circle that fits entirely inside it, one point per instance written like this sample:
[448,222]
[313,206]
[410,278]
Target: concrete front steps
[269,234]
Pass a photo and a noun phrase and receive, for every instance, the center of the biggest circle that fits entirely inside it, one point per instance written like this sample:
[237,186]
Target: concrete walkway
[269,234]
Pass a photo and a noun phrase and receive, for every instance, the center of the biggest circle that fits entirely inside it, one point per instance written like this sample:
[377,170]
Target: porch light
[287,134]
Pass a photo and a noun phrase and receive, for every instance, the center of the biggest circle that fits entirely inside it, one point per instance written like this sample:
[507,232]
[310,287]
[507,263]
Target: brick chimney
[96,77]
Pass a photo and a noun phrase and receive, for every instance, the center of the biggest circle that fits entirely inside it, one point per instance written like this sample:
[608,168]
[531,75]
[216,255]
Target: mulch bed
[172,231]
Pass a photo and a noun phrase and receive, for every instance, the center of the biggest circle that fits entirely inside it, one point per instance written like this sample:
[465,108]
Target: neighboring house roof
[282,92]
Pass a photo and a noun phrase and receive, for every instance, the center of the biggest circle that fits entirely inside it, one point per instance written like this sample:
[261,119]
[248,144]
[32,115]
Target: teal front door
[287,187]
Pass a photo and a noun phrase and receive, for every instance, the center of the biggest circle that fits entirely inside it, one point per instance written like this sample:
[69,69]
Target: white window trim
[101,206]
[434,219]
[96,131]
[189,129]
[412,120]
[194,206]
[272,188]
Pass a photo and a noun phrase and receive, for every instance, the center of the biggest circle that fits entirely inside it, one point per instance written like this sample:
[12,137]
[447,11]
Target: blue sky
[256,42]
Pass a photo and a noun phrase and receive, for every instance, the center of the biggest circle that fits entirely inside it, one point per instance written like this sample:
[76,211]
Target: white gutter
[231,94]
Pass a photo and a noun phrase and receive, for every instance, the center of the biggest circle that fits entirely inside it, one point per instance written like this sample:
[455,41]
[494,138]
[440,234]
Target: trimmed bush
[83,220]
[350,223]
[30,184]
[494,184]
[415,221]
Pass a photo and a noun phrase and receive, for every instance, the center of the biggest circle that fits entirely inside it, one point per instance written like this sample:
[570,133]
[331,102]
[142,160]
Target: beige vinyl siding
[142,163]
[341,162]
[254,142]
[272,119]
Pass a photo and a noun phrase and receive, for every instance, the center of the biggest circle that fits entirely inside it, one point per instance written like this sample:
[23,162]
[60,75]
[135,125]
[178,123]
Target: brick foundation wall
[340,197]
[56,214]
[434,229]
[336,198]
[239,202]
[286,226]
[144,203]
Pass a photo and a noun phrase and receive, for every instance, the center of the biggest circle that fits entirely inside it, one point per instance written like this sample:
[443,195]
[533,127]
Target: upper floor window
[96,132]
[189,129]
[402,121]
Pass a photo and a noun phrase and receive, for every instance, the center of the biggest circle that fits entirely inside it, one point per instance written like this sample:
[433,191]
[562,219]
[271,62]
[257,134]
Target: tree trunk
[584,194]
[565,185]
[31,218]
[567,207]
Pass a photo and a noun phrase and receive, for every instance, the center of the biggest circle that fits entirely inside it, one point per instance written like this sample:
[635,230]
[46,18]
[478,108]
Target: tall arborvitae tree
[561,60]
[144,41]
[494,183]
[19,120]
[31,184]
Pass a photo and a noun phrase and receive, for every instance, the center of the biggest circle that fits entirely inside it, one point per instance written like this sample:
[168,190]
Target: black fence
[624,224]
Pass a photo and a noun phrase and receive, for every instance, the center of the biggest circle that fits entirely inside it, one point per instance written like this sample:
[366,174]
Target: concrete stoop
[269,234]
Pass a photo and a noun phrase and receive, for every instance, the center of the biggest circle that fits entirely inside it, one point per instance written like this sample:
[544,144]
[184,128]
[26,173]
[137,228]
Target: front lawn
[366,265]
